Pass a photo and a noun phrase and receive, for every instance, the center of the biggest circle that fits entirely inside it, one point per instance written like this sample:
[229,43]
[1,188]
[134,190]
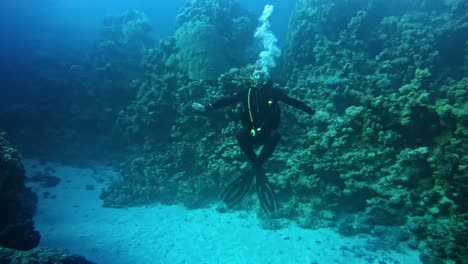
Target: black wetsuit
[261,122]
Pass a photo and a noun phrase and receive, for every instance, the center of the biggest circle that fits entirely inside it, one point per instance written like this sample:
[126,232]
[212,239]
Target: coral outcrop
[40,256]
[18,236]
[202,49]
[212,36]
[85,92]
[389,149]
[17,202]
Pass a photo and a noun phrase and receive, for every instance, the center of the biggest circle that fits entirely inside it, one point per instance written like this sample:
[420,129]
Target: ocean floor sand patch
[70,216]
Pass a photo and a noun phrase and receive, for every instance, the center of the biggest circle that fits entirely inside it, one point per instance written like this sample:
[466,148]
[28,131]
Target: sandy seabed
[70,216]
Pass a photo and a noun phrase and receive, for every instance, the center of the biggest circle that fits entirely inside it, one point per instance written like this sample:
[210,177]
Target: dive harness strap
[253,131]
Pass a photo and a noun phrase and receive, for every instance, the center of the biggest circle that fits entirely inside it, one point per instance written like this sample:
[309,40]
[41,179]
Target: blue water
[68,25]
[44,31]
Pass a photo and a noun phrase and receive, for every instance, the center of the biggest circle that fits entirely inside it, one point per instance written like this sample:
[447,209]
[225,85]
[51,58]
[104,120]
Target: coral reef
[18,203]
[40,256]
[127,31]
[190,164]
[123,40]
[179,70]
[385,154]
[85,93]
[390,149]
[18,237]
[212,37]
[202,49]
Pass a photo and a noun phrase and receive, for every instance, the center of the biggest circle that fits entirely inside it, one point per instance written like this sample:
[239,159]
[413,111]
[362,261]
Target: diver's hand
[197,107]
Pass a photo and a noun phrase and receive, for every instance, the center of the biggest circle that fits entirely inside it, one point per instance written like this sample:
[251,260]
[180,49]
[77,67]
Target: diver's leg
[265,192]
[237,190]
[240,186]
[269,147]
[244,138]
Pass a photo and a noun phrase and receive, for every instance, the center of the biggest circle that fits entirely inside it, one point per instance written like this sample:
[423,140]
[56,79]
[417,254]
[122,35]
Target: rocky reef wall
[212,36]
[385,154]
[388,143]
[67,104]
[18,237]
[17,203]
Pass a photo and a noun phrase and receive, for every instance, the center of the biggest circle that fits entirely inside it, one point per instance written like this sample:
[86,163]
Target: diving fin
[237,190]
[266,195]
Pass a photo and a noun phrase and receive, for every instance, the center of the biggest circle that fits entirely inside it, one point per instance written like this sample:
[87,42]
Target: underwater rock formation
[189,165]
[124,39]
[85,92]
[18,237]
[389,149]
[40,256]
[18,203]
[127,32]
[212,36]
[385,154]
[202,50]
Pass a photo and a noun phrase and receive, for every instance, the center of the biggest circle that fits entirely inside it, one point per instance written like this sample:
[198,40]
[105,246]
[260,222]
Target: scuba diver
[260,117]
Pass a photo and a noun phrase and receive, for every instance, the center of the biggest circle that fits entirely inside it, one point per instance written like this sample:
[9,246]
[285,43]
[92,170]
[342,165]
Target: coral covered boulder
[212,37]
[17,203]
[201,47]
[40,255]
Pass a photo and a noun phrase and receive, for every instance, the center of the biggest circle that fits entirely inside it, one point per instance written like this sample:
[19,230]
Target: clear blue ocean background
[34,32]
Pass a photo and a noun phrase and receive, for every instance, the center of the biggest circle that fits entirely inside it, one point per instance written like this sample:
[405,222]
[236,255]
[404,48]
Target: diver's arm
[225,101]
[293,102]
